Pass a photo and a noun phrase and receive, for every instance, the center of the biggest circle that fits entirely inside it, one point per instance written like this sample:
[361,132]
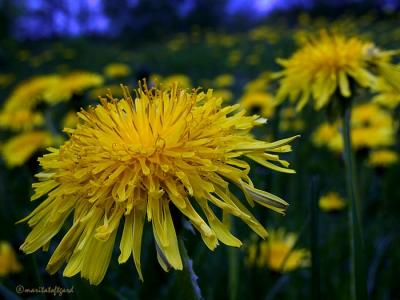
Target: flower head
[371,127]
[8,260]
[18,149]
[117,70]
[277,252]
[258,102]
[70,84]
[331,202]
[27,94]
[383,158]
[20,119]
[329,64]
[133,159]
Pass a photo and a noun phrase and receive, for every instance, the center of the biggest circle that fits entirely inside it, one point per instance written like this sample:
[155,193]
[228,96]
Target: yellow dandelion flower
[367,120]
[328,64]
[258,102]
[224,80]
[73,83]
[20,119]
[137,157]
[387,95]
[170,80]
[17,150]
[117,70]
[277,252]
[290,121]
[27,94]
[258,84]
[383,158]
[331,202]
[8,260]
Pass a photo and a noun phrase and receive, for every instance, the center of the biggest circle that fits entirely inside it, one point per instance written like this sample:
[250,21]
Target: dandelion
[368,120]
[135,159]
[290,121]
[73,83]
[28,93]
[330,64]
[278,253]
[21,119]
[331,202]
[117,70]
[18,149]
[170,80]
[8,260]
[387,96]
[224,80]
[382,158]
[258,102]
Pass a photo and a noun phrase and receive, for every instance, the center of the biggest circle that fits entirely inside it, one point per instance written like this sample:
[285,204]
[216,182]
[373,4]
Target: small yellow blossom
[134,159]
[331,202]
[371,127]
[277,252]
[8,260]
[383,158]
[258,102]
[70,84]
[224,94]
[18,149]
[327,64]
[224,80]
[117,70]
[28,93]
[290,121]
[170,80]
[387,96]
[21,119]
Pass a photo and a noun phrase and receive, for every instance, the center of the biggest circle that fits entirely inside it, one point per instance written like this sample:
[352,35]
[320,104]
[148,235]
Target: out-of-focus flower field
[43,84]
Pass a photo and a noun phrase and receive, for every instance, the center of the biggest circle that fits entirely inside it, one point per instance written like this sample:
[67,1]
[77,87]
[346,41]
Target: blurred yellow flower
[383,158]
[371,127]
[8,260]
[261,103]
[331,202]
[28,93]
[258,84]
[224,94]
[137,157]
[170,80]
[327,64]
[289,120]
[117,70]
[277,252]
[224,80]
[387,96]
[18,149]
[70,84]
[20,119]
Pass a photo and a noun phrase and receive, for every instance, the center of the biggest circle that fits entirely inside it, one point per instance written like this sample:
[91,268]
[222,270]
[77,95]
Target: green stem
[315,258]
[188,279]
[233,272]
[358,280]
